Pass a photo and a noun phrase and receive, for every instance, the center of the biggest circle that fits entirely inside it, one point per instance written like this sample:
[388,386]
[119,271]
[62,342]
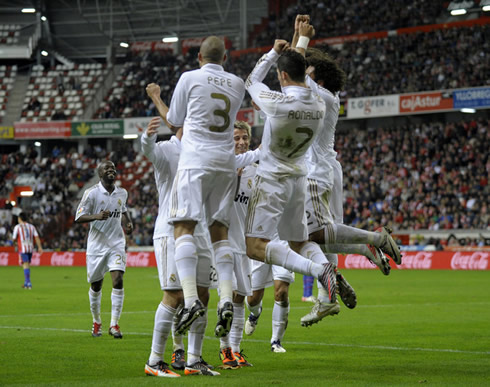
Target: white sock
[255,310]
[178,340]
[196,338]
[94,298]
[323,296]
[186,262]
[340,233]
[163,324]
[236,332]
[224,267]
[117,299]
[313,252]
[278,254]
[349,249]
[224,342]
[279,320]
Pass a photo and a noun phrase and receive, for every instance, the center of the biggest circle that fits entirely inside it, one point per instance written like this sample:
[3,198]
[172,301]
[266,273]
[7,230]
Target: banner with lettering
[6,132]
[414,260]
[472,98]
[40,130]
[102,128]
[384,105]
[426,102]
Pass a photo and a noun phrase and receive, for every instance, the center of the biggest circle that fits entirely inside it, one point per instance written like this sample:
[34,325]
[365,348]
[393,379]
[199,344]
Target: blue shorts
[26,257]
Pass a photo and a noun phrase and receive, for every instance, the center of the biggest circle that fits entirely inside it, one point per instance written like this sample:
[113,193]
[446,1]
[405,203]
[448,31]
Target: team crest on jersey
[119,202]
[173,277]
[249,183]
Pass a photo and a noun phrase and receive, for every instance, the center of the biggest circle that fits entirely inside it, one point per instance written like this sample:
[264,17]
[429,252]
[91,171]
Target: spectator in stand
[34,104]
[59,115]
[24,236]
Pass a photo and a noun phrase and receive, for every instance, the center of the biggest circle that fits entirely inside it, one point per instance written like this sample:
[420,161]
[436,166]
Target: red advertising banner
[51,129]
[420,260]
[246,115]
[425,102]
[151,46]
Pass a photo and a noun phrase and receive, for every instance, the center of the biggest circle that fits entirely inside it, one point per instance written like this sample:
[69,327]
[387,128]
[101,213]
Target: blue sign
[471,98]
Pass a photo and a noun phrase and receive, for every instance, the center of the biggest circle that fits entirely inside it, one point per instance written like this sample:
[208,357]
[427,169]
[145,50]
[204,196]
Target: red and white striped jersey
[25,234]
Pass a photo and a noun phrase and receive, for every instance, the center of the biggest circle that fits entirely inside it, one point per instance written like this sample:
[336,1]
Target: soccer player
[277,206]
[104,207]
[24,235]
[323,168]
[230,353]
[165,156]
[205,102]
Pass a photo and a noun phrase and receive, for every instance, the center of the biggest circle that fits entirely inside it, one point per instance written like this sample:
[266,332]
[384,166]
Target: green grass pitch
[410,328]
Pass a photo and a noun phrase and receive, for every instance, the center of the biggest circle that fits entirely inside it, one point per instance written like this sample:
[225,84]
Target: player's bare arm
[102,215]
[153,91]
[304,30]
[127,223]
[39,246]
[280,45]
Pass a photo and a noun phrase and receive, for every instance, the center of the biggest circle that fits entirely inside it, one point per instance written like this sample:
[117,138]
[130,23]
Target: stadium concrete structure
[65,65]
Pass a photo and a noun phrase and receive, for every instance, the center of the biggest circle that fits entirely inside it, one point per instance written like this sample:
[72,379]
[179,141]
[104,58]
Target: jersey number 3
[221,113]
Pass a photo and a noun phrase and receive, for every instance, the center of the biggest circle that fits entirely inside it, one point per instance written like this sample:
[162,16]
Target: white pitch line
[444,350]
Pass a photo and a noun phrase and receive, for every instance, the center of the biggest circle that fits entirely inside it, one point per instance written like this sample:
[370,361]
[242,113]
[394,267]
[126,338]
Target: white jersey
[322,152]
[164,156]
[294,118]
[104,235]
[205,102]
[236,232]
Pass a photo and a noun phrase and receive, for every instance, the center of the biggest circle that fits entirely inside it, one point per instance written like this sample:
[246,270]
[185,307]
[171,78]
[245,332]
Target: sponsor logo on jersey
[115,214]
[242,198]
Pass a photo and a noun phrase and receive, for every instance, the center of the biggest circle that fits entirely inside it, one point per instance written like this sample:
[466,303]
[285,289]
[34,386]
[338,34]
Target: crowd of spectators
[348,17]
[426,176]
[440,59]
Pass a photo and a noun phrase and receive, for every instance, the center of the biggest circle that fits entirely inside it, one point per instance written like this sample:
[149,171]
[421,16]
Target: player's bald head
[212,50]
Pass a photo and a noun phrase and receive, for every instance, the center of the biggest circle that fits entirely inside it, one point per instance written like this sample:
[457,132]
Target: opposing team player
[24,235]
[205,103]
[294,118]
[104,206]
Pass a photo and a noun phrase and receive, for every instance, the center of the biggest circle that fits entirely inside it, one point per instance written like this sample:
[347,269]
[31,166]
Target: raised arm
[153,91]
[299,19]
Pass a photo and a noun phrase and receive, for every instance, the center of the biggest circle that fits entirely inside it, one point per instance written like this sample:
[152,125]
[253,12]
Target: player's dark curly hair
[294,64]
[326,69]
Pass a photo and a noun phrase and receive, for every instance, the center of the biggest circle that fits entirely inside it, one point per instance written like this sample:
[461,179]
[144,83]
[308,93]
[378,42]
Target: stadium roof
[86,28]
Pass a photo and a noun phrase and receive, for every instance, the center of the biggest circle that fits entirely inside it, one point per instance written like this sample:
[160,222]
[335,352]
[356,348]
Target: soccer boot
[228,358]
[379,259]
[207,364]
[96,330]
[328,281]
[389,246]
[178,360]
[115,332]
[251,323]
[225,318]
[346,292]
[187,316]
[277,347]
[318,312]
[199,368]
[240,357]
[160,369]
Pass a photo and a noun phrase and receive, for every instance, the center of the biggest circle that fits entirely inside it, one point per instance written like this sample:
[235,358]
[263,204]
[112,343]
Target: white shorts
[99,265]
[337,196]
[242,280]
[202,196]
[277,207]
[317,205]
[167,270]
[264,275]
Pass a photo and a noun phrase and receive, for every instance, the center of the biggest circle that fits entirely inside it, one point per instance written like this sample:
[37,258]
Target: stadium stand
[62,92]
[9,33]
[425,176]
[7,79]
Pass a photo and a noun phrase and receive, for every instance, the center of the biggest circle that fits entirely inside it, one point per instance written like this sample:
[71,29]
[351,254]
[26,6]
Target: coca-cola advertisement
[413,260]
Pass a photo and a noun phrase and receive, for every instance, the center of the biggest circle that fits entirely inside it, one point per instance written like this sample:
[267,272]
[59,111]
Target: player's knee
[281,294]
[173,298]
